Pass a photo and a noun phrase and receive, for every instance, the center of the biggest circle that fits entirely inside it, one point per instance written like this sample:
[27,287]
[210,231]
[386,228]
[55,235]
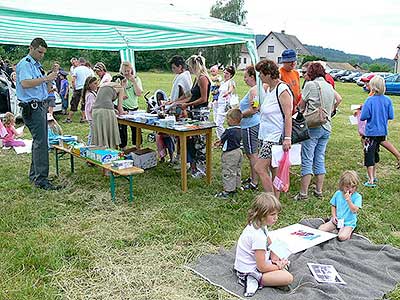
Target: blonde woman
[133,90]
[200,93]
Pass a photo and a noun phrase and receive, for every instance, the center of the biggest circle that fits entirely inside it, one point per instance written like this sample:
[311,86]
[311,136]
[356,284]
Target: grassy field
[77,244]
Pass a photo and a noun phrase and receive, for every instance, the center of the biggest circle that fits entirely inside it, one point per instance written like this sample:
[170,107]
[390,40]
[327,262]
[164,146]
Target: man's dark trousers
[36,121]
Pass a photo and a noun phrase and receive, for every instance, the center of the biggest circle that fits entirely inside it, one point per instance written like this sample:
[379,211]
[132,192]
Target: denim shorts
[313,152]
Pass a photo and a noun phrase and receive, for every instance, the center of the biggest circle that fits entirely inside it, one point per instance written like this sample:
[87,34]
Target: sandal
[249,186]
[368,184]
[398,164]
[247,180]
[300,197]
[317,194]
[224,194]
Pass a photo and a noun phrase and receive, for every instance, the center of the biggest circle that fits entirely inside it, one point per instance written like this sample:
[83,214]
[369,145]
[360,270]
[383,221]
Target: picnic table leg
[183,142]
[112,186]
[57,170]
[72,163]
[138,137]
[208,155]
[130,188]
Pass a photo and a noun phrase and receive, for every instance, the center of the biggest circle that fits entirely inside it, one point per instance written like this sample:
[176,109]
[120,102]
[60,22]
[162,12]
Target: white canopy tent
[124,26]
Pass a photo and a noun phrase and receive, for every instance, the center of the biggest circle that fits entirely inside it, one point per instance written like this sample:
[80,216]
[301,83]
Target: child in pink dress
[9,139]
[89,94]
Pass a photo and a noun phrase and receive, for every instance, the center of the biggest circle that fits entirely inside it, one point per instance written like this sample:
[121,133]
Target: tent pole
[252,49]
[128,55]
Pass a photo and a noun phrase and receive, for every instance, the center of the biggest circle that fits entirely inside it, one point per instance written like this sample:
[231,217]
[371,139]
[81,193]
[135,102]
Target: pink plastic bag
[281,180]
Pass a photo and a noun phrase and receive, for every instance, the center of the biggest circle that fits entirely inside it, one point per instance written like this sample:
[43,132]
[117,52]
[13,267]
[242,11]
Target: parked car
[392,84]
[363,78]
[339,74]
[350,77]
[333,71]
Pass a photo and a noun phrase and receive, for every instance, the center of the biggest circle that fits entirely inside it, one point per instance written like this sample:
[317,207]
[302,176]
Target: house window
[244,60]
[270,49]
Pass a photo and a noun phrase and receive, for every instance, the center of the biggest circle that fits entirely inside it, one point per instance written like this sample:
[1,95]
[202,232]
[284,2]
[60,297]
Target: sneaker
[82,120]
[224,194]
[300,197]
[67,121]
[251,286]
[368,184]
[249,186]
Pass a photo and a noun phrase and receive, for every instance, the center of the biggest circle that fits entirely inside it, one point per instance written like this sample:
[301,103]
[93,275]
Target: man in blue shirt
[32,91]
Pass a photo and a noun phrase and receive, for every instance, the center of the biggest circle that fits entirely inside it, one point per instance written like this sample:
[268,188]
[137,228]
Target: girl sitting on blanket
[9,139]
[256,266]
[345,204]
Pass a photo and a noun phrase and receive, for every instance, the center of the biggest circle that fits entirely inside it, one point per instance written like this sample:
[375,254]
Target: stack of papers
[325,273]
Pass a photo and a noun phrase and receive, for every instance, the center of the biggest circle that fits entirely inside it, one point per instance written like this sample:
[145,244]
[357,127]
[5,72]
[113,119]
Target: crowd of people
[261,120]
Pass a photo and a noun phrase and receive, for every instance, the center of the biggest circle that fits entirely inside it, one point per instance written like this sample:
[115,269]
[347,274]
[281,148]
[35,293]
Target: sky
[370,28]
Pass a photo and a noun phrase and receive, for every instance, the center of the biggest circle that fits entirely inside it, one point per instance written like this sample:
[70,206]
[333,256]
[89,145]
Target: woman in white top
[226,89]
[275,123]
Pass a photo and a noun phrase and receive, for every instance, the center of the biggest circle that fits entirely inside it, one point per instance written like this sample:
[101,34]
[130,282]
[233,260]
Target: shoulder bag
[299,124]
[318,116]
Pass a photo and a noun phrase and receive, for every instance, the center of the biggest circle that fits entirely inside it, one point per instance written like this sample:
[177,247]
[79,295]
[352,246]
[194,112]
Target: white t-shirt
[224,87]
[271,119]
[250,240]
[81,73]
[183,80]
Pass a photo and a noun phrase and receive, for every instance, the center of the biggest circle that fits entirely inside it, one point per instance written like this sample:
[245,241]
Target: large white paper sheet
[298,237]
[26,149]
[294,155]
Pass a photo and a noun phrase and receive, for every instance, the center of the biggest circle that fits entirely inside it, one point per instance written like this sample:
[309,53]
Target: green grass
[77,244]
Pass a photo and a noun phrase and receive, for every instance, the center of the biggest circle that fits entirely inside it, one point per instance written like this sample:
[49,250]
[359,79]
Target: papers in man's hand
[20,130]
[280,248]
[325,273]
[294,155]
[353,120]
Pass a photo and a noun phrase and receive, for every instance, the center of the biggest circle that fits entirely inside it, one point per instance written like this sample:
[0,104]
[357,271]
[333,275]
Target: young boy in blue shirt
[232,156]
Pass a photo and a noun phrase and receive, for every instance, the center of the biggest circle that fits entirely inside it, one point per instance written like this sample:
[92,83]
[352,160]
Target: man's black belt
[34,104]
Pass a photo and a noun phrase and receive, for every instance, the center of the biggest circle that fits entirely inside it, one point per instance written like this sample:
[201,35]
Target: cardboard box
[84,150]
[144,158]
[103,156]
[122,164]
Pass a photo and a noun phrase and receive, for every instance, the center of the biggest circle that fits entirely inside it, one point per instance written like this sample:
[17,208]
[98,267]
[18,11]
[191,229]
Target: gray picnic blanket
[370,271]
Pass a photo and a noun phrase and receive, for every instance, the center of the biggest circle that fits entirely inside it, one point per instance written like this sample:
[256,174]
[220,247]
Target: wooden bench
[124,173]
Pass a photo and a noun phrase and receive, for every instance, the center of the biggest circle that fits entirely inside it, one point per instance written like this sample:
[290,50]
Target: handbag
[299,124]
[318,116]
[300,130]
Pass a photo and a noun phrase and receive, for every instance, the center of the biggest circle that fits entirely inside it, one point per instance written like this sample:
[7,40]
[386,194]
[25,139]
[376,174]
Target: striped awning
[113,25]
